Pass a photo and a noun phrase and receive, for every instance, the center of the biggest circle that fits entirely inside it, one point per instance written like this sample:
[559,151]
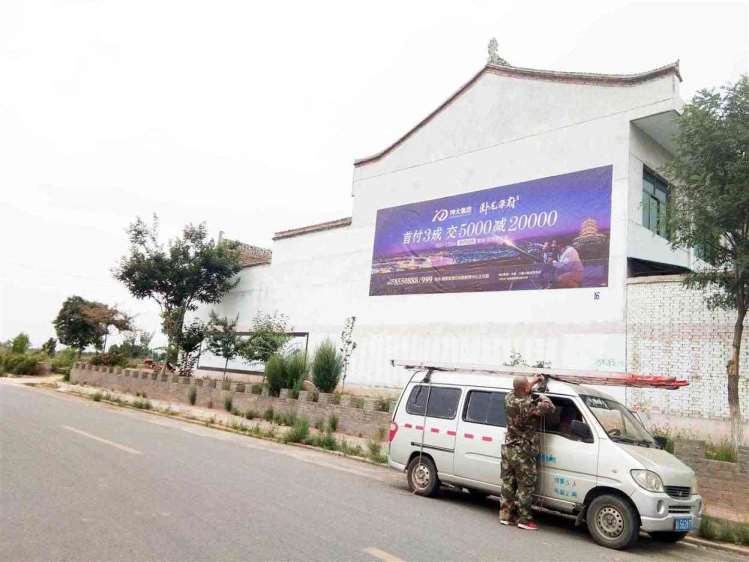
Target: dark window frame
[426,406]
[467,402]
[661,207]
[542,430]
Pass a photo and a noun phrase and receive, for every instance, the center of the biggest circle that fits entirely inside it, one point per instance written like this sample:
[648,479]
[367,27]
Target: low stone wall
[723,485]
[365,421]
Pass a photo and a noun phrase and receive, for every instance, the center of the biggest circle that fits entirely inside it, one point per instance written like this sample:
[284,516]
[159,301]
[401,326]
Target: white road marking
[101,440]
[382,555]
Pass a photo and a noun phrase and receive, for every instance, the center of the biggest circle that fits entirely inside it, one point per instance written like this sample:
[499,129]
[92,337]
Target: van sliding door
[481,433]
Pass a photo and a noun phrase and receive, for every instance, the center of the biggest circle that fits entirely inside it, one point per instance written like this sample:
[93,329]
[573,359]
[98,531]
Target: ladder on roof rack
[572,376]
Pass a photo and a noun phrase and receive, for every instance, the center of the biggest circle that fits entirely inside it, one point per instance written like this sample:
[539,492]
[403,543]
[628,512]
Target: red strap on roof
[623,379]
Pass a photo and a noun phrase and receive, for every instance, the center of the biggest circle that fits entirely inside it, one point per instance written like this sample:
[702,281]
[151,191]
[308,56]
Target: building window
[654,203]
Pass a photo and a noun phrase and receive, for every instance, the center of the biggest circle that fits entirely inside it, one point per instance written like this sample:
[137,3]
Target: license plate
[683,524]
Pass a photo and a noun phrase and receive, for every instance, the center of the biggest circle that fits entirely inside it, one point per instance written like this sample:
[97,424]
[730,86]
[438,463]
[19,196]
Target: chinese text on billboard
[549,233]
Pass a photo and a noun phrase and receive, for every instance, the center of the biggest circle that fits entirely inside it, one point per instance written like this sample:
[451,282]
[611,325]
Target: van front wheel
[422,476]
[612,522]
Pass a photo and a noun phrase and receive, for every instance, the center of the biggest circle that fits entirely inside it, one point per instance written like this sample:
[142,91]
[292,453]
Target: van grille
[678,491]
[679,509]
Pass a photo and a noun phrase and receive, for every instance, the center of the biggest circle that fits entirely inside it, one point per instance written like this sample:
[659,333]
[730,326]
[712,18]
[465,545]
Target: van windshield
[620,424]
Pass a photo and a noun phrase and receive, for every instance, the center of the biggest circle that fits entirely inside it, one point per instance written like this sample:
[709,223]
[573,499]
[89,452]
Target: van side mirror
[582,430]
[661,441]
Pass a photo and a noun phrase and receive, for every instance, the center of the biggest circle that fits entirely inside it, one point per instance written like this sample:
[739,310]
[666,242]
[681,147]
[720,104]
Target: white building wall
[500,131]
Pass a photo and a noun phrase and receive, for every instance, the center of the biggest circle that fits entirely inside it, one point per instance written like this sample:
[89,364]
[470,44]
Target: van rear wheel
[422,476]
[612,522]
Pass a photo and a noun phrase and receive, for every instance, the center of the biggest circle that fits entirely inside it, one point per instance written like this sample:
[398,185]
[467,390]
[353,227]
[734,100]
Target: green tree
[49,347]
[105,318]
[74,327]
[223,339]
[268,334]
[327,366]
[189,270]
[20,343]
[188,344]
[709,209]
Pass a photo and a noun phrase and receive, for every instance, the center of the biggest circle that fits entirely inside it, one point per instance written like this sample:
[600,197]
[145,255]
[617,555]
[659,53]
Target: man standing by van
[520,451]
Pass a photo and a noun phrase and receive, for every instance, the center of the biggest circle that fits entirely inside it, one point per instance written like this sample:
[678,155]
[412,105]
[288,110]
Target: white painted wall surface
[501,131]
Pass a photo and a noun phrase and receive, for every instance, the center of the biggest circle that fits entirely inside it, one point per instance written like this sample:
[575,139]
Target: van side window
[443,402]
[560,420]
[485,407]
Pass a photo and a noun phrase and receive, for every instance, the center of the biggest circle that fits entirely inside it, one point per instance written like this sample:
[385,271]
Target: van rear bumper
[658,512]
[396,465]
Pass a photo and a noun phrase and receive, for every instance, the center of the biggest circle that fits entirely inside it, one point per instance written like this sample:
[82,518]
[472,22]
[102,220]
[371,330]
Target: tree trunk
[226,364]
[734,405]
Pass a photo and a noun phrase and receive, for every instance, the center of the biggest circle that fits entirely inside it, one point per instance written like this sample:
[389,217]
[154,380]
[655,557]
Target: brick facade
[364,422]
[670,331]
[723,485]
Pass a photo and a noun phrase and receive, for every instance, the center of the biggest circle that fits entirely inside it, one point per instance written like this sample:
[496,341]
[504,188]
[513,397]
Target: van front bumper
[658,512]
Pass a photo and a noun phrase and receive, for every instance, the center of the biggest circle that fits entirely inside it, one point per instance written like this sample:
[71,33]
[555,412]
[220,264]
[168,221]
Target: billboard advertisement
[548,233]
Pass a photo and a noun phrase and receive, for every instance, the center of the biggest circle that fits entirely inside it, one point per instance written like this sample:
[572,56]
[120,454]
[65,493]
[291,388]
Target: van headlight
[648,480]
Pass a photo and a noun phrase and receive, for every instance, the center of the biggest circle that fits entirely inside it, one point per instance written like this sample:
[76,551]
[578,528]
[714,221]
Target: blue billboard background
[547,233]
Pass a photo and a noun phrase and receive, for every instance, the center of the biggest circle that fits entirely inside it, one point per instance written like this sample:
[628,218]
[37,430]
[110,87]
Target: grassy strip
[723,530]
[298,433]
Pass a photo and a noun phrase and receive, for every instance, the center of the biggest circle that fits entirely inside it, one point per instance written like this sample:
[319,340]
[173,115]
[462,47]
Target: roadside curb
[717,545]
[82,396]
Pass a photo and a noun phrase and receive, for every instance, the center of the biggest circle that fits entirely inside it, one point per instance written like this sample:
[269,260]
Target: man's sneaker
[528,525]
[507,522]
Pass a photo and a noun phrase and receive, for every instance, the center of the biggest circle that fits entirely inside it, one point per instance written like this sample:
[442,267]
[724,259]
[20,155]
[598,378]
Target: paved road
[81,480]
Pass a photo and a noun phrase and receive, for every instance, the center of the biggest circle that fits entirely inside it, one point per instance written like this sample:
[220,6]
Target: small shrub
[256,389]
[298,432]
[320,424]
[20,344]
[20,363]
[192,395]
[350,450]
[227,403]
[275,374]
[142,404]
[286,419]
[296,371]
[96,396]
[375,452]
[235,412]
[63,361]
[714,528]
[66,375]
[210,403]
[381,434]
[333,423]
[268,415]
[383,404]
[722,451]
[327,366]
[251,414]
[327,441]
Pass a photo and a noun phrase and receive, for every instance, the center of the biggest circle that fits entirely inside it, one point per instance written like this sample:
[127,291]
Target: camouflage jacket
[522,412]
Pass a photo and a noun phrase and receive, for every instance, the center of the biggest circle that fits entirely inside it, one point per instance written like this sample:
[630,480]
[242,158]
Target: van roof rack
[572,376]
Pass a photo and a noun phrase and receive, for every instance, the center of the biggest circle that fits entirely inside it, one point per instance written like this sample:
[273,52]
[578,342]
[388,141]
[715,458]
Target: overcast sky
[248,115]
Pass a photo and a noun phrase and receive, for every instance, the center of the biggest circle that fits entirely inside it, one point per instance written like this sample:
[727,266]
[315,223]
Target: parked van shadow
[645,546]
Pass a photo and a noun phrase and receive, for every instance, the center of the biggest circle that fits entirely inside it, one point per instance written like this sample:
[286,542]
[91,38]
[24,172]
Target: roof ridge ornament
[494,57]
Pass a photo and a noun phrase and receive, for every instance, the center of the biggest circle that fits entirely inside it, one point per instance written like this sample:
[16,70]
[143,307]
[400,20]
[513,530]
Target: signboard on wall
[549,233]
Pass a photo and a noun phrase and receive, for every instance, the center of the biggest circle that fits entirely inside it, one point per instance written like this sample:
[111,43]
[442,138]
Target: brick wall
[352,420]
[670,331]
[723,485]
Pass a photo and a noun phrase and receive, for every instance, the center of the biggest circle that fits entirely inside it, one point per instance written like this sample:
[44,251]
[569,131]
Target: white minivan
[597,462]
